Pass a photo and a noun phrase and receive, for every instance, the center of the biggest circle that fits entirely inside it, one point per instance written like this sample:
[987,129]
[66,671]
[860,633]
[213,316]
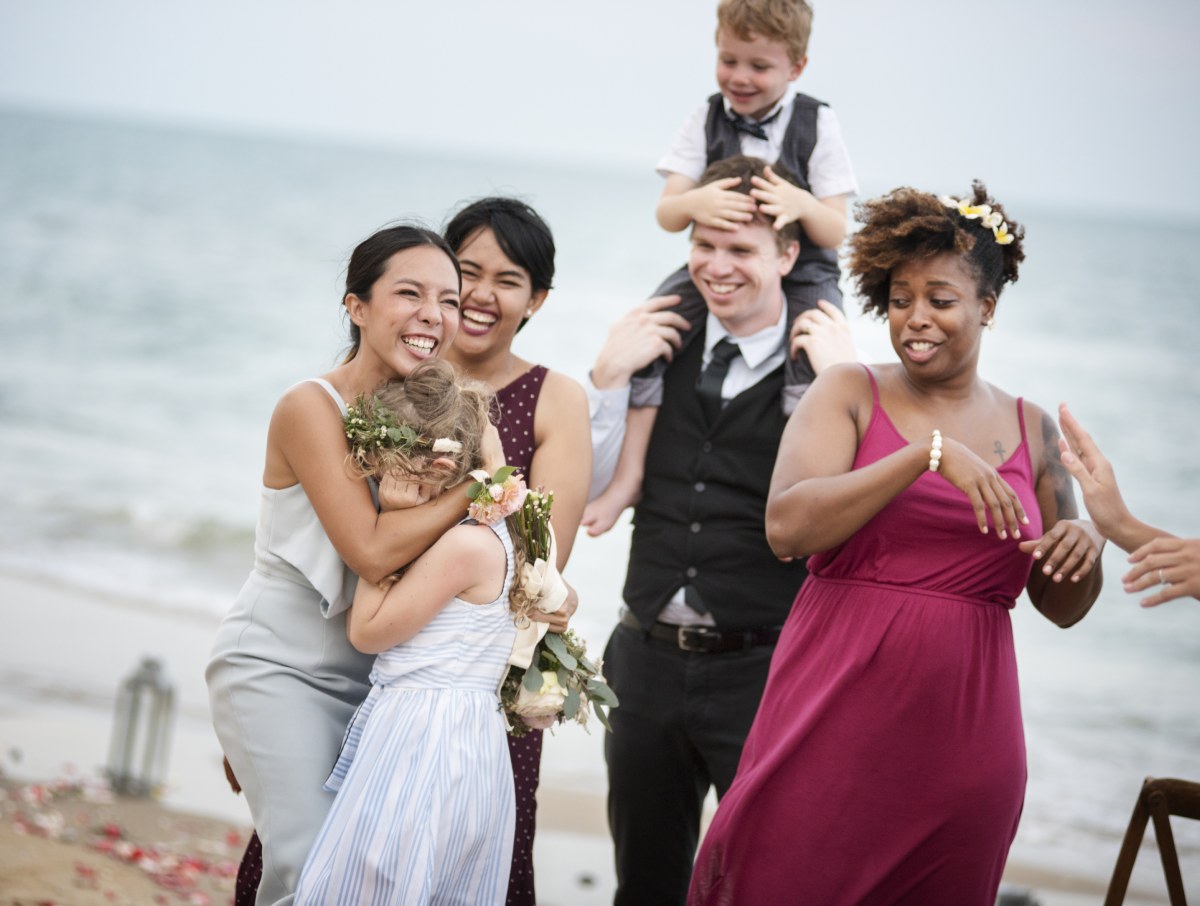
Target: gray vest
[815,264]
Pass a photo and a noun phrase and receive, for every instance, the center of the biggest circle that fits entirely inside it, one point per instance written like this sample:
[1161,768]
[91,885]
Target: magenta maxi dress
[886,764]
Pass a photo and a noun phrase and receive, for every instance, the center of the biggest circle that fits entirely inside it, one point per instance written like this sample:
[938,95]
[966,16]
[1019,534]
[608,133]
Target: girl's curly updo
[905,225]
[435,401]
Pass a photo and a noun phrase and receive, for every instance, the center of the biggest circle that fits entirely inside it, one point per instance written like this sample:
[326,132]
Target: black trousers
[679,729]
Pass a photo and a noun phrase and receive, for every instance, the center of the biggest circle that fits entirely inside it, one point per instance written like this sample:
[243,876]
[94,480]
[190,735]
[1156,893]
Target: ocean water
[159,289]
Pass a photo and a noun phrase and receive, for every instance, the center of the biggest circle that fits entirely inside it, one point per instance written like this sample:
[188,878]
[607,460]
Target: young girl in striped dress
[424,811]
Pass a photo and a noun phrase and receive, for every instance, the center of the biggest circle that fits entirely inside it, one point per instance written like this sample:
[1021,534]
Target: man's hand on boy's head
[778,198]
[714,204]
[648,331]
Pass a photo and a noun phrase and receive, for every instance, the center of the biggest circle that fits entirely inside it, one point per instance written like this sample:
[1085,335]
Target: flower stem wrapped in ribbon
[550,678]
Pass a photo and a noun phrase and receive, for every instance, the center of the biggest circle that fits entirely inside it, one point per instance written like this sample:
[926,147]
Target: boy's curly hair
[907,225]
[436,402]
[787,21]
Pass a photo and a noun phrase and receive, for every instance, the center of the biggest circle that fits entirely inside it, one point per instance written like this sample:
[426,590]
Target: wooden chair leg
[1129,850]
[1160,812]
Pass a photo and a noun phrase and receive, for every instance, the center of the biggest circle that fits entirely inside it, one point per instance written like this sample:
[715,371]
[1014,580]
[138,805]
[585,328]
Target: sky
[1090,105]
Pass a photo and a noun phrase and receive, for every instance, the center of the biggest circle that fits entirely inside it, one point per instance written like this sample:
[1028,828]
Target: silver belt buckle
[697,634]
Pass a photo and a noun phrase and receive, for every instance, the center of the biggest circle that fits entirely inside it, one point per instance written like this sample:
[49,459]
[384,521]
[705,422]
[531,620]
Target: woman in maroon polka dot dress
[507,258]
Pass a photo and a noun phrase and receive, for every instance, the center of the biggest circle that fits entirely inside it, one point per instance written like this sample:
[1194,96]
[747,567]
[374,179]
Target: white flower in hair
[446,445]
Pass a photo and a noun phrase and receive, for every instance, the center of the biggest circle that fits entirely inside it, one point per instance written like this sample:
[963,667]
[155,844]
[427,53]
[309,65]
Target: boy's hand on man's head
[778,198]
[714,204]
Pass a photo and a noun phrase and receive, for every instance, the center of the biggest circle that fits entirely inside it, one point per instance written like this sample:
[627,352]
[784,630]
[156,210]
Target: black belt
[704,639]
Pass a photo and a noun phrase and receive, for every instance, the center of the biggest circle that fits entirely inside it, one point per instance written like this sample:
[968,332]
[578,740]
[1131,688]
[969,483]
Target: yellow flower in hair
[1003,236]
[974,212]
[993,220]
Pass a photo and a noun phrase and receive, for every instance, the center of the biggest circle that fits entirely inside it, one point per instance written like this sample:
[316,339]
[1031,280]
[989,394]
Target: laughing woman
[284,680]
[886,763]
[506,252]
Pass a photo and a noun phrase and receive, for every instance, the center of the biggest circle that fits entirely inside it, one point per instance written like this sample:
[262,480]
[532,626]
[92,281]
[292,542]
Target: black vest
[815,264]
[700,521]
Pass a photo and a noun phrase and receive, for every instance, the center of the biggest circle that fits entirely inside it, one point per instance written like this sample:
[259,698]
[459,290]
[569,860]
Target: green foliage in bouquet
[560,685]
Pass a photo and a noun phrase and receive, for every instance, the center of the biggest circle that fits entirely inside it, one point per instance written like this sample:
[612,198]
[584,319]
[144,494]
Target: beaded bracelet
[935,451]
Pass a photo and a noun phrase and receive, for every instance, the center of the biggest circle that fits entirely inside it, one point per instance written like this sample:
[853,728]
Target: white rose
[546,702]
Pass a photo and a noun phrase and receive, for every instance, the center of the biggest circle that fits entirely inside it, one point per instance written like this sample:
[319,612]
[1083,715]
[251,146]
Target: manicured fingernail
[1003,534]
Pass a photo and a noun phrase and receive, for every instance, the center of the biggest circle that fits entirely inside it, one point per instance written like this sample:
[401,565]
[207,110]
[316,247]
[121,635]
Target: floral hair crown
[984,214]
[372,428]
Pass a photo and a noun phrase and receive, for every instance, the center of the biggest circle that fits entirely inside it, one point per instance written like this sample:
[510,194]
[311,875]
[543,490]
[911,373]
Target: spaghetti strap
[1021,417]
[328,388]
[874,386]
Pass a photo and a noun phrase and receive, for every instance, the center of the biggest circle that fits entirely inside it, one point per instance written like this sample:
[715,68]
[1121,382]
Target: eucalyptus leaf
[600,692]
[555,643]
[532,679]
[571,705]
[502,474]
[601,716]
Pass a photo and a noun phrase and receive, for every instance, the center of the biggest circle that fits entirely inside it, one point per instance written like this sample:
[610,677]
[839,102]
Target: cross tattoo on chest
[1000,451]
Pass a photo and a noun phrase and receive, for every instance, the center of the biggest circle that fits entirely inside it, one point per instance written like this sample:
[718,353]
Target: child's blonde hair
[436,403]
[787,21]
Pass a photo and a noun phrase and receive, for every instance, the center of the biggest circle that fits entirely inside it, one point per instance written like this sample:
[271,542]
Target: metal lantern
[137,755]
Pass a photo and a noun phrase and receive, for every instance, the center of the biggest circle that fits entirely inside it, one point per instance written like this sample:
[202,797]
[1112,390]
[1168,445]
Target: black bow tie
[753,127]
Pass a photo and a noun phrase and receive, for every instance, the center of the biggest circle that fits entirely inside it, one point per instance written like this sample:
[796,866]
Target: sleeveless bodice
[948,555]
[517,402]
[290,542]
[465,646]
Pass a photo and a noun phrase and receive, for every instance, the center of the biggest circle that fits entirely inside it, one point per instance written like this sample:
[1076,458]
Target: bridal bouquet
[550,678]
[559,685]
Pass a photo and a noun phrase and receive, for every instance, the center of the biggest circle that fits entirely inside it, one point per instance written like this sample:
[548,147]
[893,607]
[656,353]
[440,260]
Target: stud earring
[990,323]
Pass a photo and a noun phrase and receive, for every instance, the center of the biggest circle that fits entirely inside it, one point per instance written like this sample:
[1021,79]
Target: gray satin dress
[284,680]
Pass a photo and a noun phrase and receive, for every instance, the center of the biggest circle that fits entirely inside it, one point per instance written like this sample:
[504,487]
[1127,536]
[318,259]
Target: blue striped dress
[425,810]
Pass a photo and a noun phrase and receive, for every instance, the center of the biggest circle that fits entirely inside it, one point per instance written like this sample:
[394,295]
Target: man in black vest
[705,597]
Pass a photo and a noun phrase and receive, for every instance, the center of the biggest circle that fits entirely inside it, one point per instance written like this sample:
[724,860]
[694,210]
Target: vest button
[706,447]
[692,572]
[698,487]
[695,527]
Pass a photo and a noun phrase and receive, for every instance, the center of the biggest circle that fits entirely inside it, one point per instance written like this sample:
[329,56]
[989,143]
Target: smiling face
[936,316]
[739,274]
[412,311]
[497,295]
[753,73]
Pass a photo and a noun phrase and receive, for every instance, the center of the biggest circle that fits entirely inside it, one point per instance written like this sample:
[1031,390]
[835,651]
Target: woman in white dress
[425,808]
[284,680]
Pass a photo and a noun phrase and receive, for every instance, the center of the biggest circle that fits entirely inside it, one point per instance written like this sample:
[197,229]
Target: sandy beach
[65,840]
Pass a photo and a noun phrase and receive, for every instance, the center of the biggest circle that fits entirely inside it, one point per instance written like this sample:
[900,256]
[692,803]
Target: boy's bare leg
[625,489]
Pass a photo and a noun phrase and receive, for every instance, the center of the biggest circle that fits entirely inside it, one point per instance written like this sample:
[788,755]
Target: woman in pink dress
[886,763]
